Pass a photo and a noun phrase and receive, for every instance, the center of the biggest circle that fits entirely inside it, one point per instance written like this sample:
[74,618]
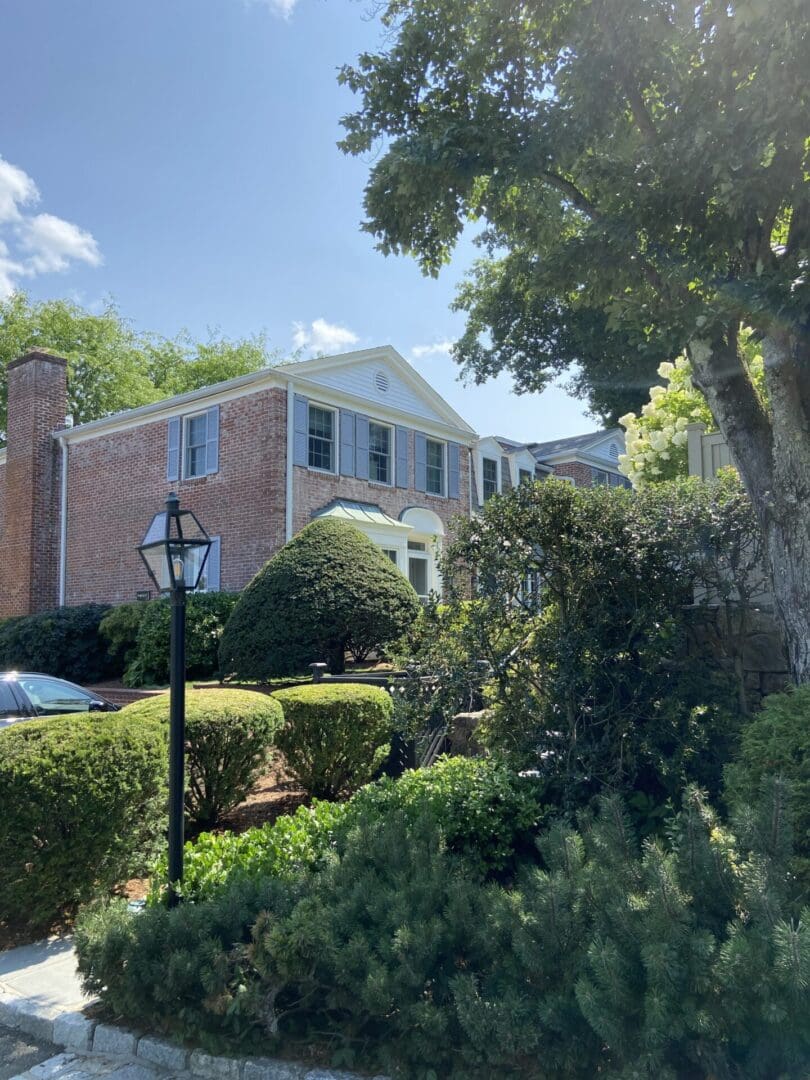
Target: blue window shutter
[361,447]
[453,454]
[346,442]
[301,428]
[173,451]
[402,457]
[212,566]
[420,461]
[212,441]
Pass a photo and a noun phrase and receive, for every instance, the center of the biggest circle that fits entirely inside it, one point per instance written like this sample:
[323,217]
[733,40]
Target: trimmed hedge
[335,737]
[64,643]
[229,737]
[82,807]
[138,636]
[328,590]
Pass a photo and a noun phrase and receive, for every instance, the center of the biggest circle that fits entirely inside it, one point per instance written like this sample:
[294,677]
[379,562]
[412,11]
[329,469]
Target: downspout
[63,509]
[288,501]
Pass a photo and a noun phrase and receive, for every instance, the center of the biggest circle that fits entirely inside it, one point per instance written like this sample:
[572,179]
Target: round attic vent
[381,381]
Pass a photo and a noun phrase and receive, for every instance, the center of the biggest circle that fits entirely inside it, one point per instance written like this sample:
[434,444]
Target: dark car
[25,695]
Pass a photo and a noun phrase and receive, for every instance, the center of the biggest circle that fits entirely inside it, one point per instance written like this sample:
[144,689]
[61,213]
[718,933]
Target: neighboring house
[584,460]
[360,436]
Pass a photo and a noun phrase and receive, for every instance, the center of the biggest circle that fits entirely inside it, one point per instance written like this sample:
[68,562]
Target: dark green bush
[229,738]
[119,629]
[678,958]
[64,643]
[328,589]
[776,741]
[335,737]
[487,814]
[206,615]
[82,806]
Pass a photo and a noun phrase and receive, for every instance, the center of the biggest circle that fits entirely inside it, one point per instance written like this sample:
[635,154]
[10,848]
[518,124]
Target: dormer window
[525,474]
[490,478]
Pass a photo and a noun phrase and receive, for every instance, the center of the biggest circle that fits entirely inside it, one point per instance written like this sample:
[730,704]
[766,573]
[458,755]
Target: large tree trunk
[771,449]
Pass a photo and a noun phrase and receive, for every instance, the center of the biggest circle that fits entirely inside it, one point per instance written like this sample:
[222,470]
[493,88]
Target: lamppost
[174,551]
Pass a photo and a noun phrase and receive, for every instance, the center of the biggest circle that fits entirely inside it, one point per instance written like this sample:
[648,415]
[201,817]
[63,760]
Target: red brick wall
[37,403]
[313,490]
[116,483]
[580,473]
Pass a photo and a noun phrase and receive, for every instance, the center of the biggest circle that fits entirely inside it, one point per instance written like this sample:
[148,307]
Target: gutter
[288,501]
[63,509]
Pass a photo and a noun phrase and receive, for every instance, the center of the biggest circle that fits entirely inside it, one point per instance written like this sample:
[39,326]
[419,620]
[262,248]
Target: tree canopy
[111,366]
[642,175]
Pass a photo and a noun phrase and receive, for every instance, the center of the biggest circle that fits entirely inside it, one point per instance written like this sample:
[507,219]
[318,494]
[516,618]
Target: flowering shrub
[656,439]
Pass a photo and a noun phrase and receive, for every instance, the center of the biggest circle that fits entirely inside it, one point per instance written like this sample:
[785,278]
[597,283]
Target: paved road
[25,1058]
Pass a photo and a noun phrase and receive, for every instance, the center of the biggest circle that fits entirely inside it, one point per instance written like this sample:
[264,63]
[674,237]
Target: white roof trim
[607,465]
[301,372]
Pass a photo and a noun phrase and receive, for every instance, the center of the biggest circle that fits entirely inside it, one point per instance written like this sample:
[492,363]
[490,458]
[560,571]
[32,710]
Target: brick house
[360,436]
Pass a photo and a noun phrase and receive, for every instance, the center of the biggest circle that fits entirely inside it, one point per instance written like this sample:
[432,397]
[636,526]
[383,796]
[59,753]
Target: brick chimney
[37,404]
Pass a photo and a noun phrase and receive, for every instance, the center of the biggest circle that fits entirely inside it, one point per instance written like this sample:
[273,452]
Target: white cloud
[323,338]
[439,348]
[284,8]
[33,244]
[52,242]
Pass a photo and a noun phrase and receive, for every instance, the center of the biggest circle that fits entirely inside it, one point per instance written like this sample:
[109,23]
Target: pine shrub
[230,735]
[64,643]
[328,589]
[335,737]
[82,806]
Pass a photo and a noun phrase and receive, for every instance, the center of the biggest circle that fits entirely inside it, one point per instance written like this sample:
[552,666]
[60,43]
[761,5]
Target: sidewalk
[44,973]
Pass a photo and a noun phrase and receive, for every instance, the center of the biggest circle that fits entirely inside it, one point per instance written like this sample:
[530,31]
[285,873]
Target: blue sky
[179,156]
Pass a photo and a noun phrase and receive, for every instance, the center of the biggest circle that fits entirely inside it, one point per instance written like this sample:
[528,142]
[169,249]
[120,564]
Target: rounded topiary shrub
[82,807]
[64,642]
[334,737]
[329,588]
[229,738]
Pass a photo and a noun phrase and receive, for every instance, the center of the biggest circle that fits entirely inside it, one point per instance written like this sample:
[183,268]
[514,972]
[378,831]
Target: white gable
[378,382]
[609,448]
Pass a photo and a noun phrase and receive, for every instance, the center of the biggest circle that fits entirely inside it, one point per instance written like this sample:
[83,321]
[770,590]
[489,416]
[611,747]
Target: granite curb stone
[134,1051]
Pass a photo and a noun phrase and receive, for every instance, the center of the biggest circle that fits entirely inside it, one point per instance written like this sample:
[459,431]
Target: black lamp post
[174,551]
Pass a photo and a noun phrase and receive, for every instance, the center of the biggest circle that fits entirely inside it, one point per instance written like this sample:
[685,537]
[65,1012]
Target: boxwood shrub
[336,736]
[82,807]
[229,739]
[64,643]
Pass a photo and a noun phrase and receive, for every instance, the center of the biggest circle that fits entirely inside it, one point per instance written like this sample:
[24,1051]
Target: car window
[8,703]
[51,696]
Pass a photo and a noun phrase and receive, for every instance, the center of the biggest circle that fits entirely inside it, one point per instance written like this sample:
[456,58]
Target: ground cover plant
[82,806]
[230,736]
[328,590]
[682,957]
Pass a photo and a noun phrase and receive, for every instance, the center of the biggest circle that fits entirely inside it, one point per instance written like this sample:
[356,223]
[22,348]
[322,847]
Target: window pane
[417,575]
[435,467]
[51,697]
[8,704]
[392,554]
[490,478]
[196,438]
[321,438]
[524,474]
[379,453]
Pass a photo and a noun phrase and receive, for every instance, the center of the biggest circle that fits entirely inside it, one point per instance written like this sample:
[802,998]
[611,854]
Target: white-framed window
[599,477]
[321,442]
[525,474]
[392,554]
[195,442]
[418,567]
[489,475]
[434,467]
[380,445]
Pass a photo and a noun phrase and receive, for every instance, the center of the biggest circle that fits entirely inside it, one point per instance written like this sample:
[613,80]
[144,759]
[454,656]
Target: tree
[640,161]
[110,365]
[328,589]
